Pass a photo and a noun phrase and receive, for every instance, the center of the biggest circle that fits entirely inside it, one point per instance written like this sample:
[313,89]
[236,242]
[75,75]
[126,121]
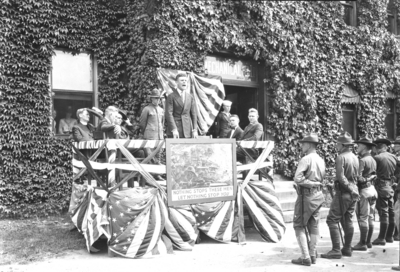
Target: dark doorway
[243,98]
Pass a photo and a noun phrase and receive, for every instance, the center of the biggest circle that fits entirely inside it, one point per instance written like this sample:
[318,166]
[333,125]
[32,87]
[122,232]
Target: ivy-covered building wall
[307,52]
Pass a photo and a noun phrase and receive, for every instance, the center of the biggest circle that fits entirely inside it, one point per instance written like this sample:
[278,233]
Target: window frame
[394,113]
[353,14]
[355,120]
[59,93]
[391,11]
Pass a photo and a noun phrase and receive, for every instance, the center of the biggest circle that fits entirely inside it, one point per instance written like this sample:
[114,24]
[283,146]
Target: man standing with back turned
[308,179]
[344,202]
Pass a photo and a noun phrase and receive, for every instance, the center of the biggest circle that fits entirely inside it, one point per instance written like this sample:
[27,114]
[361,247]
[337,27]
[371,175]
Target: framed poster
[200,170]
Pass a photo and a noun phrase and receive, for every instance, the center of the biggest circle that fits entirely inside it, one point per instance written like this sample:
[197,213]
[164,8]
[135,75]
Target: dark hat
[365,141]
[123,114]
[310,138]
[397,141]
[155,93]
[345,139]
[383,141]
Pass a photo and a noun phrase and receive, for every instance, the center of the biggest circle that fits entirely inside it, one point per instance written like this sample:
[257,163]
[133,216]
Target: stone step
[288,215]
[288,205]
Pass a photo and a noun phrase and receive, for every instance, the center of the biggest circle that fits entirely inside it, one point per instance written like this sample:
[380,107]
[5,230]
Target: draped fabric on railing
[207,92]
[138,222]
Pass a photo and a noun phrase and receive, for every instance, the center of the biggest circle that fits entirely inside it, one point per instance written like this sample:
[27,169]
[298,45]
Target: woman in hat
[308,179]
[222,120]
[366,206]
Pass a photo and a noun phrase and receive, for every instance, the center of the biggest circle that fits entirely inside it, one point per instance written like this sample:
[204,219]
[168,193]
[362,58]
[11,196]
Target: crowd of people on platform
[360,184]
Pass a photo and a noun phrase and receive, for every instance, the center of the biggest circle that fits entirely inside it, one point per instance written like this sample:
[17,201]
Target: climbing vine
[308,52]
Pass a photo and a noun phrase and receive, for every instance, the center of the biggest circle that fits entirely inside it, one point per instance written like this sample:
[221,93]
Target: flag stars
[121,214]
[115,235]
[114,220]
[125,247]
[203,213]
[129,239]
[117,241]
[110,207]
[118,202]
[109,218]
[196,215]
[121,228]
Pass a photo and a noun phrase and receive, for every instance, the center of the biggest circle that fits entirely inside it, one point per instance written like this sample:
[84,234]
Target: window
[72,86]
[392,18]
[390,120]
[350,12]
[349,120]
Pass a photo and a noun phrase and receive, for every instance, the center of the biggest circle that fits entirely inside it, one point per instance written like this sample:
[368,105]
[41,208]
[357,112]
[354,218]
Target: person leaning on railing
[83,131]
[253,132]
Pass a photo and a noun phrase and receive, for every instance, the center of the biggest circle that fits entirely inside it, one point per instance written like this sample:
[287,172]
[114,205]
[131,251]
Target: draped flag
[265,210]
[78,204]
[217,220]
[207,92]
[180,228]
[137,219]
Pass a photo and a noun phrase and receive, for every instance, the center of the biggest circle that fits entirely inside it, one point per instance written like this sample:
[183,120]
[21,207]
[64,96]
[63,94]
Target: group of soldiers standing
[360,184]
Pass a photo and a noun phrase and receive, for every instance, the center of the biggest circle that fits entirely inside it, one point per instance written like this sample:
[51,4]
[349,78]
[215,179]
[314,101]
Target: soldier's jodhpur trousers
[313,230]
[342,213]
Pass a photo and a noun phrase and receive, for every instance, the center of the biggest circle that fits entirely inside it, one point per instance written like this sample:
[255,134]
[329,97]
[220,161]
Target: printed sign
[231,68]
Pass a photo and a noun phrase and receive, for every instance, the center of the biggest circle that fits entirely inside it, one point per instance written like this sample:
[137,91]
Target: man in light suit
[223,119]
[253,132]
[236,132]
[181,112]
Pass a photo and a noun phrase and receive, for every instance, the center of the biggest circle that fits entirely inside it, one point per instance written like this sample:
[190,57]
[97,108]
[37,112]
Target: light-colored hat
[345,139]
[310,138]
[227,103]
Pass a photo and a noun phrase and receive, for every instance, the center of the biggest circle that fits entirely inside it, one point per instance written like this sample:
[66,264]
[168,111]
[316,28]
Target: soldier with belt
[344,202]
[385,168]
[308,182]
[366,206]
[396,146]
[222,126]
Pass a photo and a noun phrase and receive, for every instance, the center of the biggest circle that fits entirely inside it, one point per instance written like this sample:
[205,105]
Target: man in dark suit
[253,132]
[181,112]
[83,131]
[223,119]
[236,132]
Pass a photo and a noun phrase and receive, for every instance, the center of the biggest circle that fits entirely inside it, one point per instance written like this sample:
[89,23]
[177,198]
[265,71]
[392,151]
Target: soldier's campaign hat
[123,113]
[345,139]
[397,141]
[365,141]
[155,93]
[383,141]
[310,138]
[227,103]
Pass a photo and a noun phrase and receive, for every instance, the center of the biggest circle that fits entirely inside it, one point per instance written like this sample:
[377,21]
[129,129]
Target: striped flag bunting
[265,210]
[78,204]
[180,228]
[217,220]
[207,92]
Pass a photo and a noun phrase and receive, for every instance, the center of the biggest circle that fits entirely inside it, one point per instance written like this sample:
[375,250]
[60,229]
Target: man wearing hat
[181,111]
[385,170]
[308,179]
[344,202]
[366,206]
[222,127]
[396,186]
[152,118]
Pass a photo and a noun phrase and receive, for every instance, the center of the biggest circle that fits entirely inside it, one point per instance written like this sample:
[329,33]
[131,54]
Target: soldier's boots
[380,241]
[335,253]
[313,259]
[301,261]
[389,233]
[348,237]
[370,232]
[346,251]
[360,247]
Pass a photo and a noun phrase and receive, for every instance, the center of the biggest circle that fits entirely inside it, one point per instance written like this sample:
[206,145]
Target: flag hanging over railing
[207,92]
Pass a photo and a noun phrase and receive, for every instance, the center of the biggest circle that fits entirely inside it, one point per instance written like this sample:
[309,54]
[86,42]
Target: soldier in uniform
[366,206]
[308,179]
[385,168]
[344,202]
[396,146]
[222,126]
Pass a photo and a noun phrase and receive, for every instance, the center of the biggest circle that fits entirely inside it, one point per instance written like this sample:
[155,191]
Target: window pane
[390,105]
[348,121]
[391,24]
[389,123]
[348,14]
[66,107]
[71,72]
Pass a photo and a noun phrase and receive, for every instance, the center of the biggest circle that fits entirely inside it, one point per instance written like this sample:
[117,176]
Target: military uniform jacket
[181,115]
[385,168]
[311,168]
[367,168]
[222,127]
[152,122]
